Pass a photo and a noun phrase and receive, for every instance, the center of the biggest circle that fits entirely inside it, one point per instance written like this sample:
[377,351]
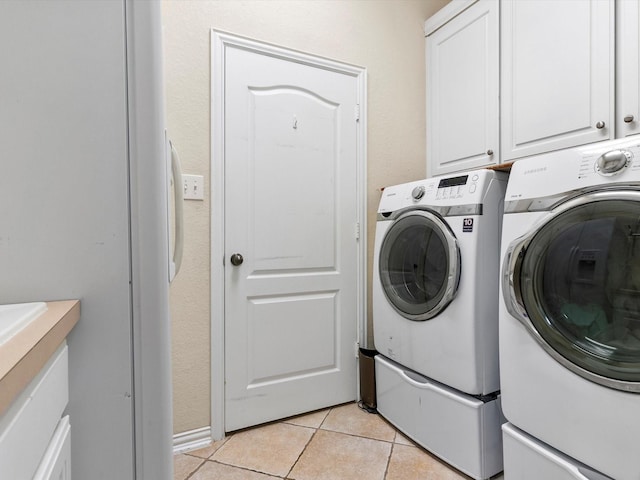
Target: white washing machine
[435,270]
[570,316]
[435,316]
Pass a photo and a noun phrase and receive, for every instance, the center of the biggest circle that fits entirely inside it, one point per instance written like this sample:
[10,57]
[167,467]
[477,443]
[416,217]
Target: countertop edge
[22,357]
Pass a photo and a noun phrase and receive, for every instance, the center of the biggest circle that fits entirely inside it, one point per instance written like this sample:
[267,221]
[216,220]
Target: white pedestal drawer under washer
[570,315]
[526,458]
[435,278]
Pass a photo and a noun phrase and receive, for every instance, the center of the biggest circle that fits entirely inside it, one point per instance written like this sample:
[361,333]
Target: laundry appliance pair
[435,316]
[570,315]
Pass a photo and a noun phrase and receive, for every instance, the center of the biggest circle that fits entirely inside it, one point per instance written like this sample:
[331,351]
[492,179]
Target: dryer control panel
[609,163]
[559,173]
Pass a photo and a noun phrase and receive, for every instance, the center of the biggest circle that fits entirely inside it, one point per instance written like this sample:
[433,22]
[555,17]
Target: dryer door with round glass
[419,265]
[575,284]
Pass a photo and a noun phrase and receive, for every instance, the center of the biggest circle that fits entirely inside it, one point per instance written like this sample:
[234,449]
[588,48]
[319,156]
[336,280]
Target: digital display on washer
[453,181]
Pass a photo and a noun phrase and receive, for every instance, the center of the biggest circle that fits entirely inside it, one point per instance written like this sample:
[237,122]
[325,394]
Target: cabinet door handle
[489,152]
[600,125]
[628,119]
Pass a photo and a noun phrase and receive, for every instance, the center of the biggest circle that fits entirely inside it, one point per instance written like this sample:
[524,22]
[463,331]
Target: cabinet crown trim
[445,14]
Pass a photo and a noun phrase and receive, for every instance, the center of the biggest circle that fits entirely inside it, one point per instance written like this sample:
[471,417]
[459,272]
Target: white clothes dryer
[435,278]
[570,319]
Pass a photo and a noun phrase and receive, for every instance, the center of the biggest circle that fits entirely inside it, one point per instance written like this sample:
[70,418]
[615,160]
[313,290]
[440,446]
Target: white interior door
[291,213]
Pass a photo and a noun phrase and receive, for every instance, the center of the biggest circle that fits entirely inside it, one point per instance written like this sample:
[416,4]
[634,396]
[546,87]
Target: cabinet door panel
[627,68]
[56,463]
[462,86]
[557,75]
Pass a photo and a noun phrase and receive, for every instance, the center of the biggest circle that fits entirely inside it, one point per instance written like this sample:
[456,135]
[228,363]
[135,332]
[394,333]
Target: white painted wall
[385,36]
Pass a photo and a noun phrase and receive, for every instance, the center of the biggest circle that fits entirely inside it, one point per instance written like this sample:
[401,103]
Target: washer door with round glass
[575,284]
[419,265]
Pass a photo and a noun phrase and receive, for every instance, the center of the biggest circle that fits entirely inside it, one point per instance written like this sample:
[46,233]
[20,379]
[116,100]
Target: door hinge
[357,231]
[357,349]
[356,112]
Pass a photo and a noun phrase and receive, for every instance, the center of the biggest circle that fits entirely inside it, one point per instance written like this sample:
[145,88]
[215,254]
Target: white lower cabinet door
[56,463]
[30,423]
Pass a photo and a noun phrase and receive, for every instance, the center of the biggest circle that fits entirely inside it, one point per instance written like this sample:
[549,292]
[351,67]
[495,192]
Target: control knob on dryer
[613,162]
[418,192]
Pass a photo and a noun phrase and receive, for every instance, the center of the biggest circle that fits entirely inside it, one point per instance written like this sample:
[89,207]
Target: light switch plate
[193,188]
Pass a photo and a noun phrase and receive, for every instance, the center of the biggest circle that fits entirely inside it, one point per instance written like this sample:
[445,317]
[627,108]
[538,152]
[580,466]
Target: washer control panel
[457,187]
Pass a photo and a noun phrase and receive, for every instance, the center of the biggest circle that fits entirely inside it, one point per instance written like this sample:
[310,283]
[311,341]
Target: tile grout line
[198,468]
[386,470]
[307,444]
[301,453]
[260,472]
[360,436]
[204,460]
[364,437]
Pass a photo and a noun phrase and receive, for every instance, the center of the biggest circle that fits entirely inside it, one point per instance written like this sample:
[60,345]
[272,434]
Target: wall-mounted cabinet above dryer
[557,75]
[627,68]
[569,74]
[462,86]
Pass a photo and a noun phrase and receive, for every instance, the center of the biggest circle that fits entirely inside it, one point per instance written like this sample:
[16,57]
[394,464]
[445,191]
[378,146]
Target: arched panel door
[575,284]
[419,265]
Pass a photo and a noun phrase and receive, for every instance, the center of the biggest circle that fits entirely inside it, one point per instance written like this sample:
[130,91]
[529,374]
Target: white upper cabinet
[627,68]
[462,87]
[557,74]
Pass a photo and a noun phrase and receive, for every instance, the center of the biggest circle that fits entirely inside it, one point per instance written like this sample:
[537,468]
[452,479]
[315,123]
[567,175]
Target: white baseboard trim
[192,440]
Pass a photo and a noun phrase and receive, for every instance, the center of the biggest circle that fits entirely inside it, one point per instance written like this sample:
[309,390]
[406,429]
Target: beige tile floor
[340,443]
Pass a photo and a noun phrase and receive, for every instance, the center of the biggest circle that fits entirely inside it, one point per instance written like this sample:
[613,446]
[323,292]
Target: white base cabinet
[34,438]
[56,463]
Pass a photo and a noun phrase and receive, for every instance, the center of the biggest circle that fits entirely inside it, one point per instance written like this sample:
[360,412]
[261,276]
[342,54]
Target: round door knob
[600,125]
[489,152]
[628,119]
[236,259]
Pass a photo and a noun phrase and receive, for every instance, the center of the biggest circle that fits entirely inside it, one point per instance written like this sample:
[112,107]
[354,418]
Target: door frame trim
[220,42]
